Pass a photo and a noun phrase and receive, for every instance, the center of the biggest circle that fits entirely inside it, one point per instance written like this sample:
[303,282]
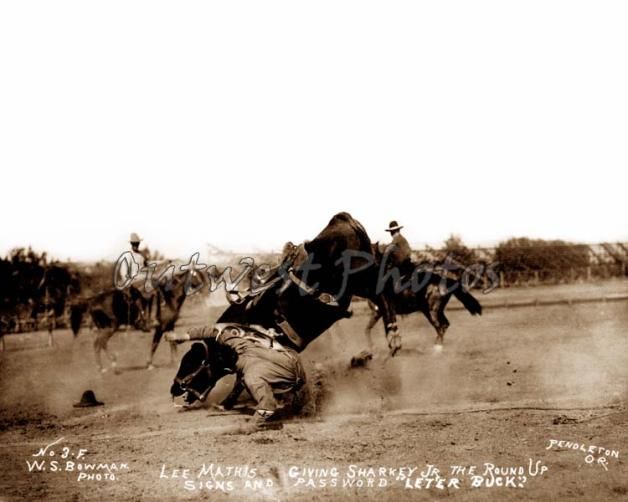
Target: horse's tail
[76,316]
[468,300]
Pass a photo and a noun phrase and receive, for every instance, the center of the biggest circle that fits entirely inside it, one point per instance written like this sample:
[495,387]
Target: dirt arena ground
[506,385]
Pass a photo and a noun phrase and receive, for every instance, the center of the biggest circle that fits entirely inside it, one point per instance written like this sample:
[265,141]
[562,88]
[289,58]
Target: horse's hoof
[395,345]
[438,348]
[103,370]
[150,367]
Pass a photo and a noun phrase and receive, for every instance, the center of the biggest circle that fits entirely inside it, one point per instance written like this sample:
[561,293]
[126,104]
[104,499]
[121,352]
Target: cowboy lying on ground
[265,368]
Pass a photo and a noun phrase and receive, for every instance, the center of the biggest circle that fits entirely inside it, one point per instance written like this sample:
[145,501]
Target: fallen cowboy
[271,373]
[259,336]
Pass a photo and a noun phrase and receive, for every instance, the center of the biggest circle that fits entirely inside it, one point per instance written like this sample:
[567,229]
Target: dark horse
[306,294]
[111,309]
[430,295]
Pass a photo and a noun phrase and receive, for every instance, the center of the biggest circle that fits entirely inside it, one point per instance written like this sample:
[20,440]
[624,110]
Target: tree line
[32,285]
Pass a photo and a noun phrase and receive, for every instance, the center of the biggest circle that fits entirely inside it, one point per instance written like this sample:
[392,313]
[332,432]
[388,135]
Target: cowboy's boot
[266,420]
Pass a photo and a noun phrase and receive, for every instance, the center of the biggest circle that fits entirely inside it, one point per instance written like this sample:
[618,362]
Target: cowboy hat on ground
[88,399]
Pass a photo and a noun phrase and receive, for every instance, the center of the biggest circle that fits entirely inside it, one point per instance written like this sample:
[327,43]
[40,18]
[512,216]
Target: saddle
[292,257]
[259,335]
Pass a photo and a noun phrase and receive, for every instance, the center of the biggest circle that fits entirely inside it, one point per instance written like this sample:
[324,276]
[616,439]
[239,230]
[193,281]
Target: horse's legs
[440,336]
[443,323]
[387,311]
[51,321]
[435,313]
[374,317]
[100,343]
[439,321]
[149,309]
[159,332]
[142,319]
[173,353]
[152,310]
[153,348]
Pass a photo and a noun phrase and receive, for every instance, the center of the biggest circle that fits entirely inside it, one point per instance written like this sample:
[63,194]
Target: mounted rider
[398,251]
[131,277]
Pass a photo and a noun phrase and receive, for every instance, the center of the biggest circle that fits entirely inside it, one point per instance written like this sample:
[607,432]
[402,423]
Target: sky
[247,124]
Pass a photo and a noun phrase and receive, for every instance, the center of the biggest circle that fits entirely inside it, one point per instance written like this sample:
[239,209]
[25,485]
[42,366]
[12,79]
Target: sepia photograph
[313,251]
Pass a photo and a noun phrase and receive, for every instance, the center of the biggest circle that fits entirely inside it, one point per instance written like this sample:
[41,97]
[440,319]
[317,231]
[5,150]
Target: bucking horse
[303,297]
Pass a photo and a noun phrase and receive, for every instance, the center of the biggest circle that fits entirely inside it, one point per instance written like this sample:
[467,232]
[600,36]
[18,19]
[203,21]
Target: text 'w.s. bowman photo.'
[299,251]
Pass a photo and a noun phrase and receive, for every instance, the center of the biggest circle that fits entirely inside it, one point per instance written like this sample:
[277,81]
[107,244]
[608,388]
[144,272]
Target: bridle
[183,382]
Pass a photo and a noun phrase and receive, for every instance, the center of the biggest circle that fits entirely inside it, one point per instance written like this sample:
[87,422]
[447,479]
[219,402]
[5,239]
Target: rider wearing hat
[131,278]
[139,257]
[131,264]
[399,252]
